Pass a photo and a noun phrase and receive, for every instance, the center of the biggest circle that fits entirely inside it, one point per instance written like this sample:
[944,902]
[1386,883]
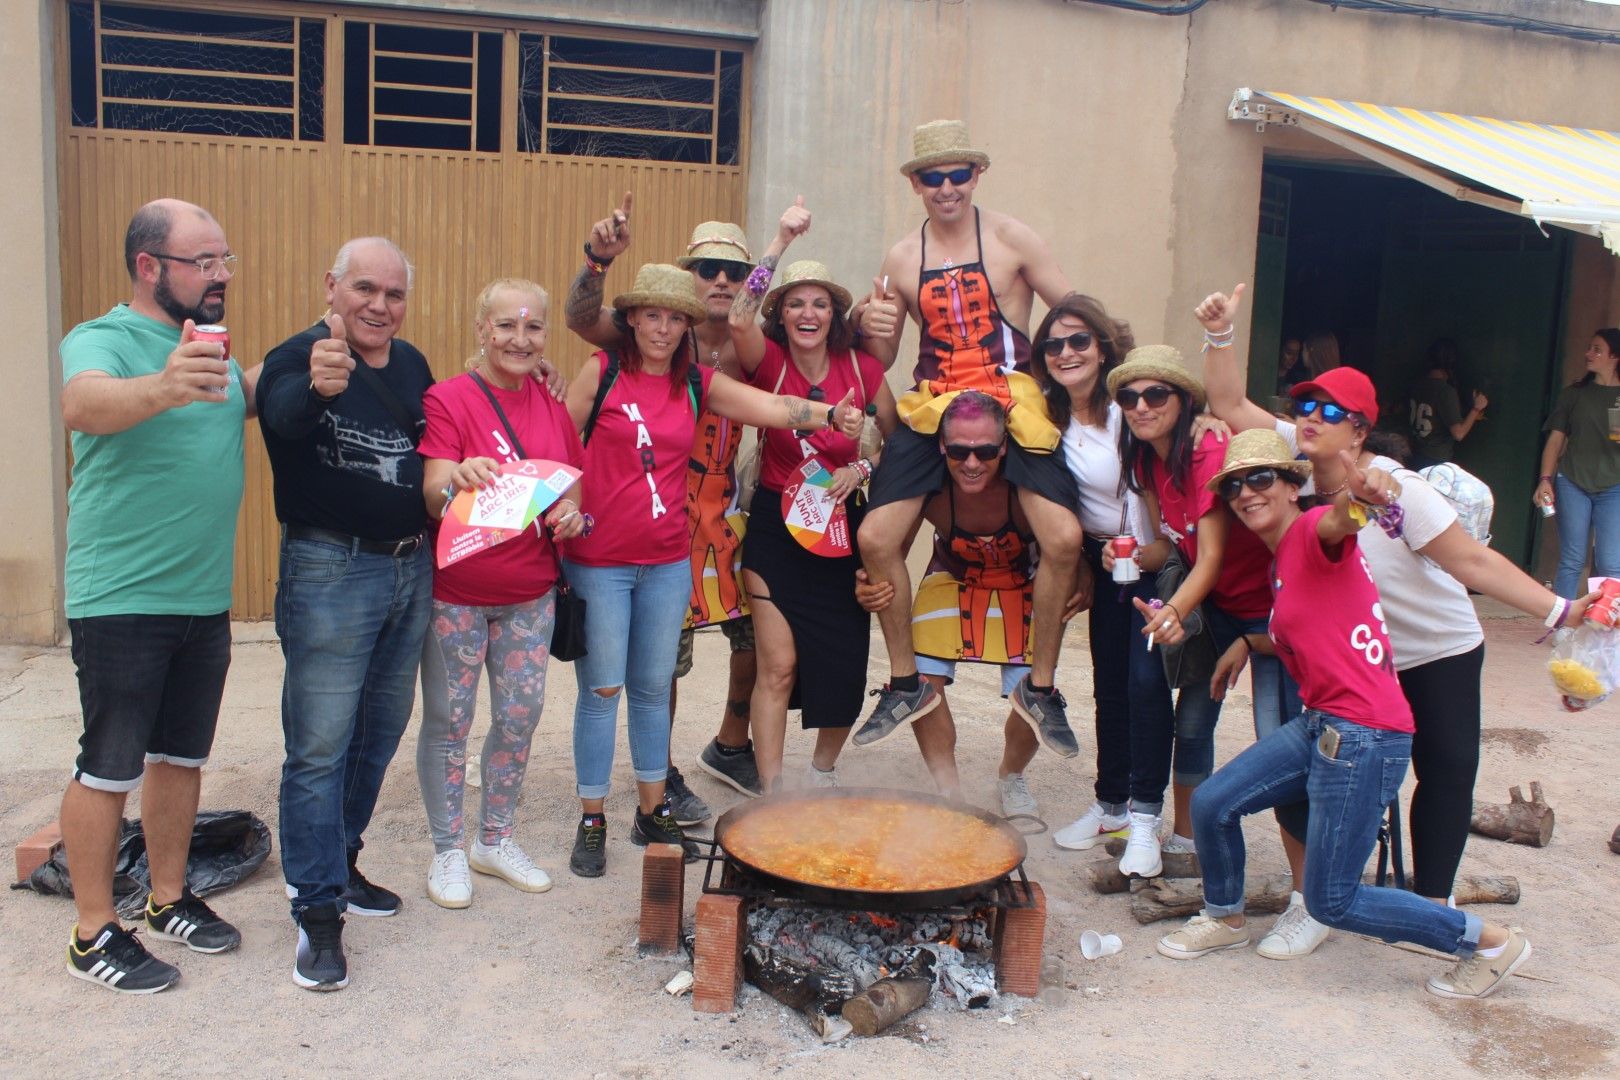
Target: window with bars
[165,69]
[435,88]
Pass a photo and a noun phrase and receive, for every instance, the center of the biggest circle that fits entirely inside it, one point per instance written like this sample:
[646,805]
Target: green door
[1267,287]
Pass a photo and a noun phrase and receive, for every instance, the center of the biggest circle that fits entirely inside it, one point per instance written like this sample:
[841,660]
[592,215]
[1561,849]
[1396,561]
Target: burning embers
[859,972]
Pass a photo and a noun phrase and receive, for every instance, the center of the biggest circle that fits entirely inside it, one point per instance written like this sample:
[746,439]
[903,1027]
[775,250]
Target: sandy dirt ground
[552,984]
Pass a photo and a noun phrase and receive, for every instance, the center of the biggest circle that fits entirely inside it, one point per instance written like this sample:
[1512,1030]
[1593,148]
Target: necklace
[1335,491]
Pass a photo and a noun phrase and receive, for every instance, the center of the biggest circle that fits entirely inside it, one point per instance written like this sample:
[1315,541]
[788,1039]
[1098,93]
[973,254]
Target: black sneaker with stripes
[192,922]
[118,962]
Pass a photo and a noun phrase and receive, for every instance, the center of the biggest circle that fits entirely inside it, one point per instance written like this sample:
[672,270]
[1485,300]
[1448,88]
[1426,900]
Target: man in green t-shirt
[156,416]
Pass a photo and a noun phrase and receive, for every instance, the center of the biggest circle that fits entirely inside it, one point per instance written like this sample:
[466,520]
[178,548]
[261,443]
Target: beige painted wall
[31,439]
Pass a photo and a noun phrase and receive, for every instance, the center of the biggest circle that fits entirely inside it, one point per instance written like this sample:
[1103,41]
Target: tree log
[1176,864]
[1169,898]
[1614,841]
[884,1002]
[1517,822]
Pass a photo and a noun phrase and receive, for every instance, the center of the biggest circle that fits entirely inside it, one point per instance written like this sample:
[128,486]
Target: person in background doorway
[1438,423]
[1291,369]
[1580,468]
[1321,353]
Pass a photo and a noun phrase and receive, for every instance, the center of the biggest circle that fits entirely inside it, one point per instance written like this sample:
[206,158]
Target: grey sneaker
[1045,714]
[1015,796]
[897,707]
[737,769]
[1477,976]
[683,801]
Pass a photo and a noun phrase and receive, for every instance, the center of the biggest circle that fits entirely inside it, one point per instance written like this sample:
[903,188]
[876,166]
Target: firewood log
[886,1001]
[1169,898]
[1519,821]
[1614,841]
[1176,864]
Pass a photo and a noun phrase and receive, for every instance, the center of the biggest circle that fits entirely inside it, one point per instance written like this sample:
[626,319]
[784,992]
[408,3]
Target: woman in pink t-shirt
[637,410]
[493,609]
[1348,752]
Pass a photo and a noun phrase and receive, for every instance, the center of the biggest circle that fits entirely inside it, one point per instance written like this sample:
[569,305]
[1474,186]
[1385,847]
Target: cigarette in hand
[1151,635]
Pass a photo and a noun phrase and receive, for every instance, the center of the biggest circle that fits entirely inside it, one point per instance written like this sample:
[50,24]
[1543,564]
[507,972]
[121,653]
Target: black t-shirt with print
[344,465]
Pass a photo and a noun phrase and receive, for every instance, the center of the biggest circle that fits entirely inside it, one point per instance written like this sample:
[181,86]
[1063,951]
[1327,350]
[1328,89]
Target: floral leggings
[514,642]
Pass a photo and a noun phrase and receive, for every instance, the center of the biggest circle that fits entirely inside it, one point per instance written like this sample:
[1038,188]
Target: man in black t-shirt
[340,405]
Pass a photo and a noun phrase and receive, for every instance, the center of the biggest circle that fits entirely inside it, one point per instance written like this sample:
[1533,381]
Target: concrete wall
[33,505]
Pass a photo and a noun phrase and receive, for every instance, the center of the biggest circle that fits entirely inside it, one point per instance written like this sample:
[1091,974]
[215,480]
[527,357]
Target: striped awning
[1553,174]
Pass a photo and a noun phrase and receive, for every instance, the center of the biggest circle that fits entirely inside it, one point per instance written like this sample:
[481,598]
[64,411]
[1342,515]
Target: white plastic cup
[1095,946]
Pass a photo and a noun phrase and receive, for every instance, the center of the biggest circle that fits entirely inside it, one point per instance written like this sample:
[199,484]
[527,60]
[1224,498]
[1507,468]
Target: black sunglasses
[1079,341]
[1257,480]
[986,452]
[1333,414]
[934,178]
[709,269]
[1155,396]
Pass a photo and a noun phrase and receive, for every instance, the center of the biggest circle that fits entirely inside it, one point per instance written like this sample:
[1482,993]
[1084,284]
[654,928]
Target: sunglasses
[986,452]
[1256,480]
[933,178]
[709,269]
[1155,396]
[1333,414]
[1079,341]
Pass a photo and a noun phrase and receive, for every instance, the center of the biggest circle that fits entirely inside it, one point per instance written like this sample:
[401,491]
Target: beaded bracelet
[759,281]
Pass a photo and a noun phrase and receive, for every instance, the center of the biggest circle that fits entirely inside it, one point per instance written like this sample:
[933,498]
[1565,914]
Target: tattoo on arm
[584,299]
[798,410]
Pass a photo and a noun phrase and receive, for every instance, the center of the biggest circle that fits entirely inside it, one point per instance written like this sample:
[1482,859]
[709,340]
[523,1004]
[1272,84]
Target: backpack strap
[694,387]
[608,378]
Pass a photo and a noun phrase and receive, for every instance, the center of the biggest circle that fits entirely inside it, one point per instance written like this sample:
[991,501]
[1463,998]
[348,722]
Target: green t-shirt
[1434,410]
[152,510]
[1591,461]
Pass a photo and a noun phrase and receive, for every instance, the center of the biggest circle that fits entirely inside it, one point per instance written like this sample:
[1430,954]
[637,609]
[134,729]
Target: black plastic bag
[227,846]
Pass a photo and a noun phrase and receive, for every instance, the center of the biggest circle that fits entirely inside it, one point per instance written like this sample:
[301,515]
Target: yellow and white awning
[1553,174]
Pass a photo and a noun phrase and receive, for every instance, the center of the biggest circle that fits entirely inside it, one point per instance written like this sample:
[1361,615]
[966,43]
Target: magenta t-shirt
[635,471]
[1328,624]
[1241,589]
[785,452]
[461,424]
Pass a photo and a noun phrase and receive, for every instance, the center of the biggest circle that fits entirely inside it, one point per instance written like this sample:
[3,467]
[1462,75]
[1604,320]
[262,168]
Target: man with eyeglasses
[341,416]
[148,581]
[968,277]
[719,260]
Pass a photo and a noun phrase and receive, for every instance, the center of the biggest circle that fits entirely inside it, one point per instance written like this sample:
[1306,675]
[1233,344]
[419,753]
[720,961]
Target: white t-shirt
[1429,614]
[1092,454]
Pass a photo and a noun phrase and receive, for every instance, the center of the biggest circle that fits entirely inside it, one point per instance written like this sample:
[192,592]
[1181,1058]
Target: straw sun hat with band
[665,286]
[716,240]
[805,272]
[1160,362]
[942,142]
[1259,448]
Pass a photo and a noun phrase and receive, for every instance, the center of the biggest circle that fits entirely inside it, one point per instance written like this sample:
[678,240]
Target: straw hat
[1162,362]
[665,286]
[716,240]
[806,272]
[942,142]
[1258,448]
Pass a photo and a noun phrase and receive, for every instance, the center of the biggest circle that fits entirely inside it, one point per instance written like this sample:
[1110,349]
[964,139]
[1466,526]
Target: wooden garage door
[485,149]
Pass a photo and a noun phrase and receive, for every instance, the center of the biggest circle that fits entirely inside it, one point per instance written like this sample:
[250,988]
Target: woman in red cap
[1424,564]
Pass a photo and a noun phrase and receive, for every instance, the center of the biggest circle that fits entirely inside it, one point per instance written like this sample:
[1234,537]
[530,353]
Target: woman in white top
[1423,566]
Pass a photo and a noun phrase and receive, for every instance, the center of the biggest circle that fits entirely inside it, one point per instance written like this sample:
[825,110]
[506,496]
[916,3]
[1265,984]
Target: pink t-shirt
[1328,624]
[635,471]
[1241,589]
[461,424]
[784,451]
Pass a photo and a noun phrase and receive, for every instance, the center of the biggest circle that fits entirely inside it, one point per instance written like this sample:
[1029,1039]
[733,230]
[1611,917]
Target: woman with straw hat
[1348,752]
[1225,585]
[803,601]
[637,410]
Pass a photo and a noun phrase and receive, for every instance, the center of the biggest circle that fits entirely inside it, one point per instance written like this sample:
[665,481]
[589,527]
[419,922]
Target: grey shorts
[740,632]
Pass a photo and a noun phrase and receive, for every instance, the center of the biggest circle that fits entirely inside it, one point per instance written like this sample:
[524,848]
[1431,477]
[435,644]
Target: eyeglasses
[1256,480]
[985,452]
[709,269]
[1155,396]
[1079,341]
[1332,413]
[933,178]
[209,266]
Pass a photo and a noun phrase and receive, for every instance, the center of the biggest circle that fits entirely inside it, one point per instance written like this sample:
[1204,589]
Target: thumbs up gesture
[881,319]
[794,224]
[329,360]
[1218,310]
[847,416]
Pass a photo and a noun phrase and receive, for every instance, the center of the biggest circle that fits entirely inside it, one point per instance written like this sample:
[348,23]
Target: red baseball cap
[1345,385]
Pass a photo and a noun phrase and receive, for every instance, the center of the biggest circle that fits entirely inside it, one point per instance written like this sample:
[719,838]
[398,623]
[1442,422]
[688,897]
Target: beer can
[1125,568]
[1547,510]
[214,332]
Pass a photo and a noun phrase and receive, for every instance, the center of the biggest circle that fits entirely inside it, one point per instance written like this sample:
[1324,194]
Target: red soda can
[1125,568]
[1605,610]
[214,332]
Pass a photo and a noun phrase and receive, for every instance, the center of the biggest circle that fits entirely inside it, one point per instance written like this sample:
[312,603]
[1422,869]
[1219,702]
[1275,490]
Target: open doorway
[1387,266]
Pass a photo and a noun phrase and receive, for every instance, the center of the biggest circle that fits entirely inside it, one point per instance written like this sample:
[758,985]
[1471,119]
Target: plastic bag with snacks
[1585,664]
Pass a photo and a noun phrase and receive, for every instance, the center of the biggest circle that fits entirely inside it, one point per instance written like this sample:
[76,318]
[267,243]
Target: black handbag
[568,626]
[1191,661]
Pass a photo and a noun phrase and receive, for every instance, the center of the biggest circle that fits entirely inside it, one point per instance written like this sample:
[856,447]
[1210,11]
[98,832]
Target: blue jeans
[1275,695]
[1580,513]
[351,626]
[633,617]
[1348,794]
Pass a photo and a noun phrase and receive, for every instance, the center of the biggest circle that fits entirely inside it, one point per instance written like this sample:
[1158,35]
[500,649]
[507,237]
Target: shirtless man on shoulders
[968,277]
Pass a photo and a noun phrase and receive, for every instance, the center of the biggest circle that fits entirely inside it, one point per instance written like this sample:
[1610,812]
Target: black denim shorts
[150,687]
[912,465]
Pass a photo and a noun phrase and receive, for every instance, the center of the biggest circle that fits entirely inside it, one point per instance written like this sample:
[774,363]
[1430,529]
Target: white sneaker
[1179,845]
[1294,934]
[815,778]
[1141,858]
[1015,796]
[1091,829]
[508,861]
[449,884]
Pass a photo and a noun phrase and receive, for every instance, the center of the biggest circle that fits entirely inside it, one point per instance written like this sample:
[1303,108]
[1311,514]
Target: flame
[955,940]
[882,920]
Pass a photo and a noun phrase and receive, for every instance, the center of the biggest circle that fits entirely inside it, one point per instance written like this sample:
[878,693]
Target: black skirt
[816,595]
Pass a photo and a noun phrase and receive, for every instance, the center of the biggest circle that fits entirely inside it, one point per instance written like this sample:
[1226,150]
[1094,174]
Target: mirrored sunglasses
[1332,413]
[934,178]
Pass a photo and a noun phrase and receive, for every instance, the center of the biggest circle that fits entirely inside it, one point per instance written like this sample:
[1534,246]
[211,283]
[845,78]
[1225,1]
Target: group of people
[1030,456]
